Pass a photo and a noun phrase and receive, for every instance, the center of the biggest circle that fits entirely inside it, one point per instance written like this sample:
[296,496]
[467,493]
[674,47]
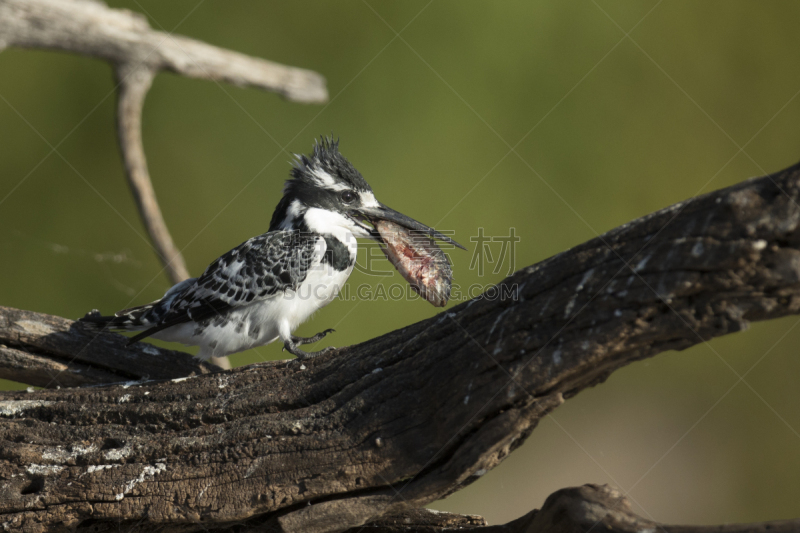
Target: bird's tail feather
[136,318]
[133,319]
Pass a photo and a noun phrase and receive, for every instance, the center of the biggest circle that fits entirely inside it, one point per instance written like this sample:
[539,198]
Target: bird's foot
[309,340]
[293,349]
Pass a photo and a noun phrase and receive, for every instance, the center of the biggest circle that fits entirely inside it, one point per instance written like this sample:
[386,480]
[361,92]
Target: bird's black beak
[383,212]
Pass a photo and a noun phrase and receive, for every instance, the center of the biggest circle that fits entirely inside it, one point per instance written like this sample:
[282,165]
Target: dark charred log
[401,420]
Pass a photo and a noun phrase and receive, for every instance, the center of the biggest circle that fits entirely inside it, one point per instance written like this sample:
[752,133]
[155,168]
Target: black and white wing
[255,270]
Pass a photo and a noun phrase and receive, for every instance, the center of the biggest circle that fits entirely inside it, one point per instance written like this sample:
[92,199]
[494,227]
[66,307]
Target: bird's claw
[305,356]
[299,341]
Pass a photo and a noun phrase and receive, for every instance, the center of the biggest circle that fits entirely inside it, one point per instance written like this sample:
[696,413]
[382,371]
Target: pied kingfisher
[266,287]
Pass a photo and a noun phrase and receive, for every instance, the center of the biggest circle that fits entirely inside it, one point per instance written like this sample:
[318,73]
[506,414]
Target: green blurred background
[606,128]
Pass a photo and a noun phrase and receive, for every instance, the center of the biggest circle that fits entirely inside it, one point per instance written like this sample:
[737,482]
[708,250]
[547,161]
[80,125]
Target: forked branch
[138,53]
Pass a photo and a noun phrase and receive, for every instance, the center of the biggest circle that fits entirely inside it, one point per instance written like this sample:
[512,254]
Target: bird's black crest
[326,157]
[316,179]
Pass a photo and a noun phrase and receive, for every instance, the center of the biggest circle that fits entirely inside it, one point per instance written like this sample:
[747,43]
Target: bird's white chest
[320,287]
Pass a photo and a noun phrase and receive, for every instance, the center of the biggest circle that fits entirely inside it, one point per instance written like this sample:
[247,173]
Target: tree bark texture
[399,421]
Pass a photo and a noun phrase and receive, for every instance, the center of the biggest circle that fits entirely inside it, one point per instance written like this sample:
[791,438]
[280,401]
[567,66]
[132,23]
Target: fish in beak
[410,247]
[382,212]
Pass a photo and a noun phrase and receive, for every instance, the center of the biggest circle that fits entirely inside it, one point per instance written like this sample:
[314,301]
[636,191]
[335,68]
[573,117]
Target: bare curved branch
[138,53]
[134,81]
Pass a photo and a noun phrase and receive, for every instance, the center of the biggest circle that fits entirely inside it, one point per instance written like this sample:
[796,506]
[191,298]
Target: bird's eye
[348,196]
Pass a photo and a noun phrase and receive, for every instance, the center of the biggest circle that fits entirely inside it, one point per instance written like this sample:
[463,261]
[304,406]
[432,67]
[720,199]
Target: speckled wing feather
[255,270]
